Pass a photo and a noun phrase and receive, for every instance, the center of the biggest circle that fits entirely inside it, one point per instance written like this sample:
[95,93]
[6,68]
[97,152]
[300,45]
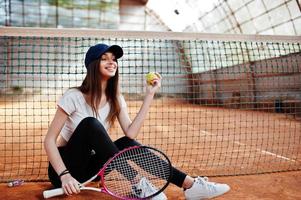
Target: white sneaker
[203,189]
[145,188]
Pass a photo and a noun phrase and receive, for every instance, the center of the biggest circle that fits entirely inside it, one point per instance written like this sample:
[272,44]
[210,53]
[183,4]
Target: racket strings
[126,170]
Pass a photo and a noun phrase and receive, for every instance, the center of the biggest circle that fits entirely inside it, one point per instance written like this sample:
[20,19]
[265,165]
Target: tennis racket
[127,172]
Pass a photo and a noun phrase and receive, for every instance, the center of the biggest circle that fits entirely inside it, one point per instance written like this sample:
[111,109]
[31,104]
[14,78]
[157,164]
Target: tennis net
[228,105]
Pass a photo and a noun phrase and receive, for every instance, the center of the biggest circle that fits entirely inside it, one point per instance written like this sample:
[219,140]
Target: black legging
[90,135]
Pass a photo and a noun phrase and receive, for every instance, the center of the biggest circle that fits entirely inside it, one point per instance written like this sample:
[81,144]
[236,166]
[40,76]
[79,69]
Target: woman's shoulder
[72,92]
[71,100]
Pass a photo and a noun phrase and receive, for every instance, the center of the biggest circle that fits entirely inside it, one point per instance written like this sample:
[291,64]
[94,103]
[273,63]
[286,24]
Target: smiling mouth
[110,68]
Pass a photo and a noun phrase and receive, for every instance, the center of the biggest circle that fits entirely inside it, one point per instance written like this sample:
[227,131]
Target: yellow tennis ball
[151,76]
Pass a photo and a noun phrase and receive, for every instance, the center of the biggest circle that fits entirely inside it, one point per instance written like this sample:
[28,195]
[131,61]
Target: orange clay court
[220,132]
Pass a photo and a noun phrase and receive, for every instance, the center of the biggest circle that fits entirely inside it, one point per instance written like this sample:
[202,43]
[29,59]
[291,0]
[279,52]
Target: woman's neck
[103,86]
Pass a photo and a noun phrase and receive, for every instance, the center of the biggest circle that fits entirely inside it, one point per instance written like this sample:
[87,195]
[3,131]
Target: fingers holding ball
[152,77]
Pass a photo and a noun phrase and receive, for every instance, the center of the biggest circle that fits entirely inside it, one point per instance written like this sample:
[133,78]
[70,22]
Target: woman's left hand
[155,86]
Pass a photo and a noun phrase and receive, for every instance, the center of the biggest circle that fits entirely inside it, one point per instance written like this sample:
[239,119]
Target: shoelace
[138,188]
[145,187]
[151,188]
[210,186]
[137,191]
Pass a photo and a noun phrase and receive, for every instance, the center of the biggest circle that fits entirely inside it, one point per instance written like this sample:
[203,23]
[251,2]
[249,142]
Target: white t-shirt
[75,105]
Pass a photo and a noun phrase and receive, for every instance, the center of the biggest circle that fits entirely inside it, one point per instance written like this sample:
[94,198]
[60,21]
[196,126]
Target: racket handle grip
[52,193]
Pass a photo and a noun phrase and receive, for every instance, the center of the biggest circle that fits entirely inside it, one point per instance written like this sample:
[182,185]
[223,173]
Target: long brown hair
[92,87]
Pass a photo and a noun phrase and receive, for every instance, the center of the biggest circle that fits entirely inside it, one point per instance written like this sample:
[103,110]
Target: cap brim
[116,50]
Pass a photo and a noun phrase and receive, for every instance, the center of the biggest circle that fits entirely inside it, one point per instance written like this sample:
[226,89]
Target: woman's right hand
[70,184]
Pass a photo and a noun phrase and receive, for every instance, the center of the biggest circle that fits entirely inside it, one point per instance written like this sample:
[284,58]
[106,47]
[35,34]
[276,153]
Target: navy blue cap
[94,52]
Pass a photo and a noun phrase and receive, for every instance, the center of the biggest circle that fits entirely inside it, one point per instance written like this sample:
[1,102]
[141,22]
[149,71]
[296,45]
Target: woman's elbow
[48,141]
[130,135]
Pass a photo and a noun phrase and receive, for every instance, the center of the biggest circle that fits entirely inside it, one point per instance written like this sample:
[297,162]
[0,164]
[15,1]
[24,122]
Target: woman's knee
[91,123]
[93,129]
[89,127]
[125,142]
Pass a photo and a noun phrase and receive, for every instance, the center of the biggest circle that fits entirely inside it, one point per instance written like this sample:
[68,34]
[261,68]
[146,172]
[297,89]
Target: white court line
[202,132]
[205,132]
[268,152]
[242,144]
